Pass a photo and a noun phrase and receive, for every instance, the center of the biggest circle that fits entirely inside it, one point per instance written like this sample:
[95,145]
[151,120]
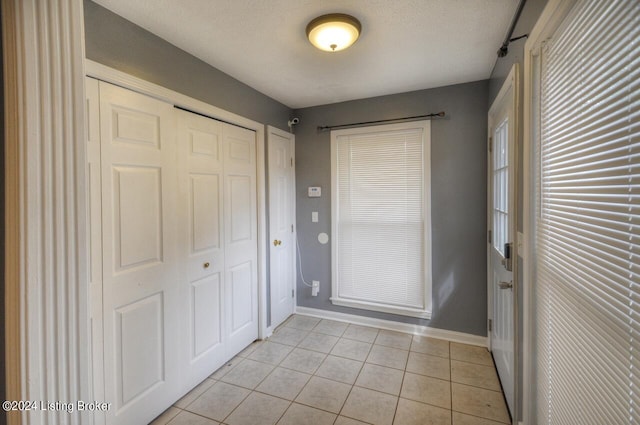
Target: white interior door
[140,258]
[501,214]
[201,182]
[240,237]
[281,224]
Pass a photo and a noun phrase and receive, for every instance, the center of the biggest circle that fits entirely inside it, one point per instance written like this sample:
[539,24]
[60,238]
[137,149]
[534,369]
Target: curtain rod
[355,124]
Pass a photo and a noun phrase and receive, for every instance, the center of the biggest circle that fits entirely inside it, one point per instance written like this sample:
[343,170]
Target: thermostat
[314,192]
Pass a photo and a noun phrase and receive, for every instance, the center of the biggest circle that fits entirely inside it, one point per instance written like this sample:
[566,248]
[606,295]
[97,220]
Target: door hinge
[291,162]
[490,144]
[489,236]
[293,294]
[292,228]
[490,325]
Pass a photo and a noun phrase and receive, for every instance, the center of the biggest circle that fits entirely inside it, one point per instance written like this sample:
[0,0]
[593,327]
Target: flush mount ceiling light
[333,32]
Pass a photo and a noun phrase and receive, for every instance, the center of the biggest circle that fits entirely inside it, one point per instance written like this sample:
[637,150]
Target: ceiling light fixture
[333,32]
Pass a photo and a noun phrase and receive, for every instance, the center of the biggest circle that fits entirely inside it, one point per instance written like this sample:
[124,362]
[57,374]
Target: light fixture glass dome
[333,32]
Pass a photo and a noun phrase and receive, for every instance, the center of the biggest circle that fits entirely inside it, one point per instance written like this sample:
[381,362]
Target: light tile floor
[317,372]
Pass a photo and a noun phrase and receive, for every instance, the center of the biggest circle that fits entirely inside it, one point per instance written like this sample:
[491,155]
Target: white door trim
[46,276]
[291,138]
[110,75]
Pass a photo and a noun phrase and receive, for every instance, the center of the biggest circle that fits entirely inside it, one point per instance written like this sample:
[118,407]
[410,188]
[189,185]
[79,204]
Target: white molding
[114,76]
[551,17]
[401,311]
[409,328]
[47,317]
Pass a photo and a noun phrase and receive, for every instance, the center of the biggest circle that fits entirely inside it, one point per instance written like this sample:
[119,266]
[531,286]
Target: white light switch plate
[314,216]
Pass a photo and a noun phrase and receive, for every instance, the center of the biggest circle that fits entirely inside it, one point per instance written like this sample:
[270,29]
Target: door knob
[276,242]
[505,285]
[206,265]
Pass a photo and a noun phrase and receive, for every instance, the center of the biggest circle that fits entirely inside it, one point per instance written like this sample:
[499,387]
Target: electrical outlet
[315,287]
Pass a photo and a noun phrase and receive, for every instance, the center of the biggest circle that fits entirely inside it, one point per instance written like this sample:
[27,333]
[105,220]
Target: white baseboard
[395,326]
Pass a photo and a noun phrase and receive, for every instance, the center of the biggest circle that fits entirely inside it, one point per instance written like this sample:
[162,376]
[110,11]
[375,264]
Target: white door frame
[46,275]
[510,83]
[122,79]
[291,138]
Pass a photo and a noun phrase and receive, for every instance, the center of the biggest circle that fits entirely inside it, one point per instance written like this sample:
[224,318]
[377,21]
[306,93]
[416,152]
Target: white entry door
[240,237]
[281,224]
[202,294]
[501,250]
[140,258]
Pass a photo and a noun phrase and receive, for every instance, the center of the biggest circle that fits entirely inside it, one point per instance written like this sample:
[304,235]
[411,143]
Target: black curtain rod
[355,124]
[504,49]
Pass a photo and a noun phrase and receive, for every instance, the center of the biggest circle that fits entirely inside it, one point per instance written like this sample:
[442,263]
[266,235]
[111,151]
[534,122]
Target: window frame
[425,127]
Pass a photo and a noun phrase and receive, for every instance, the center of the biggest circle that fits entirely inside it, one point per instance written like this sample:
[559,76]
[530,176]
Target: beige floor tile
[394,339]
[331,327]
[361,333]
[188,418]
[343,420]
[428,390]
[479,402]
[462,419]
[340,369]
[250,348]
[370,406]
[283,383]
[471,354]
[297,414]
[194,393]
[319,342]
[166,416]
[324,394]
[218,401]
[248,374]
[431,346]
[271,352]
[387,356]
[302,322]
[288,336]
[226,368]
[475,375]
[413,413]
[354,350]
[424,364]
[303,360]
[258,409]
[380,378]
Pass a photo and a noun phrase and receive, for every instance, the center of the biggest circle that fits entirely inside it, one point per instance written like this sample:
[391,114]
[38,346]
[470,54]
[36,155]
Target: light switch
[314,217]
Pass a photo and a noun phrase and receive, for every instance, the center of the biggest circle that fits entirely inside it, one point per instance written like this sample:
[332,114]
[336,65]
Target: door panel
[140,270]
[202,293]
[281,225]
[241,237]
[501,214]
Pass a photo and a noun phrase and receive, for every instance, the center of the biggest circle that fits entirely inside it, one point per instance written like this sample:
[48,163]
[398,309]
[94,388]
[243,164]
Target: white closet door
[139,255]
[281,217]
[241,237]
[201,175]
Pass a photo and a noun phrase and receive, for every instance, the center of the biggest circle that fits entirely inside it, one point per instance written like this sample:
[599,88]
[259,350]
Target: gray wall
[120,44]
[458,199]
[530,14]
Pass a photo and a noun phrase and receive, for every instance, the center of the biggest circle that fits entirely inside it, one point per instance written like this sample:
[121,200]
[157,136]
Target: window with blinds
[381,218]
[587,225]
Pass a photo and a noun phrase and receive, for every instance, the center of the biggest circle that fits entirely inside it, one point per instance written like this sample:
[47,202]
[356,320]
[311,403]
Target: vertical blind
[588,218]
[379,213]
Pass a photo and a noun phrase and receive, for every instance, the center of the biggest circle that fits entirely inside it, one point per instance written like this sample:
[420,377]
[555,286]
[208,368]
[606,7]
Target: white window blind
[588,218]
[380,222]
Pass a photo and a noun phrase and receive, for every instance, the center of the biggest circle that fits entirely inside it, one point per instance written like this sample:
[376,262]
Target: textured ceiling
[405,45]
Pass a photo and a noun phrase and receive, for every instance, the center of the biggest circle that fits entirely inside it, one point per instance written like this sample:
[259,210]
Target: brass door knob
[277,242]
[206,265]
